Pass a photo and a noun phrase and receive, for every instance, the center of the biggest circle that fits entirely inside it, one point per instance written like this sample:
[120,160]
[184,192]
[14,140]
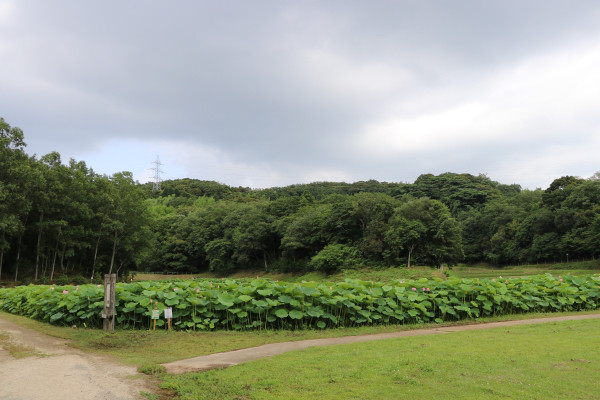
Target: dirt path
[53,370]
[230,358]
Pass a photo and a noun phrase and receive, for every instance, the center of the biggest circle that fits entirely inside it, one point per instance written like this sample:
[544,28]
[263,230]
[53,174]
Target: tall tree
[128,215]
[424,228]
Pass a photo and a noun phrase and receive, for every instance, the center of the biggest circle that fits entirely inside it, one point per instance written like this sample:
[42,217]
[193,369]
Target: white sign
[107,293]
[168,313]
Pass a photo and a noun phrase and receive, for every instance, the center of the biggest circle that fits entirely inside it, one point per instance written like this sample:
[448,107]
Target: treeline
[57,218]
[66,218]
[448,218]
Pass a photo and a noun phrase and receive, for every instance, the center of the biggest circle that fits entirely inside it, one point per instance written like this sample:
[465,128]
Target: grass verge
[367,274]
[392,273]
[149,348]
[558,360]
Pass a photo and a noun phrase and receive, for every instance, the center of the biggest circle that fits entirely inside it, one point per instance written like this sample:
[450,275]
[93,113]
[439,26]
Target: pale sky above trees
[274,93]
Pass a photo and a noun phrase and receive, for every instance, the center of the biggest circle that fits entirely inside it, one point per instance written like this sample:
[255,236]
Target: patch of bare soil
[38,367]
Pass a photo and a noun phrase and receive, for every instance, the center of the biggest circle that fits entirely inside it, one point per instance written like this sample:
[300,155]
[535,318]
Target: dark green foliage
[335,257]
[58,218]
[423,229]
[458,191]
[265,304]
[152,369]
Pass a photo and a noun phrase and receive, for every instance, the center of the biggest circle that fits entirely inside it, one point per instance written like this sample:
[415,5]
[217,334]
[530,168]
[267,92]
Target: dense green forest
[67,219]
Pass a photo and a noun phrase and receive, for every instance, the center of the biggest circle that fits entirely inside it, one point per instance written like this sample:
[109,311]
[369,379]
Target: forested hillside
[57,218]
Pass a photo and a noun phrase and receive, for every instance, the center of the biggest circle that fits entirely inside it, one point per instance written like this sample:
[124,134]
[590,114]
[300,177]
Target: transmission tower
[157,172]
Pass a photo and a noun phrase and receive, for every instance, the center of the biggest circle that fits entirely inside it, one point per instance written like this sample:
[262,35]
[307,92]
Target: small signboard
[168,313]
[155,314]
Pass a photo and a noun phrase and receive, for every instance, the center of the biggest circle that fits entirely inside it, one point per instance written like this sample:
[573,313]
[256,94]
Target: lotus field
[265,304]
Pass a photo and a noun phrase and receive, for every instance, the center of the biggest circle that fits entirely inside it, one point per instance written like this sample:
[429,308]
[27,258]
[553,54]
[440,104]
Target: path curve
[227,359]
[57,371]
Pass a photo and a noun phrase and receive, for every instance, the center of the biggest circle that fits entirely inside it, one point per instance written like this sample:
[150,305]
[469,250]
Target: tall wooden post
[110,280]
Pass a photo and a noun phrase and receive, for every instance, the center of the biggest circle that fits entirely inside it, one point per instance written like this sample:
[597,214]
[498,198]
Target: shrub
[79,280]
[335,257]
[152,369]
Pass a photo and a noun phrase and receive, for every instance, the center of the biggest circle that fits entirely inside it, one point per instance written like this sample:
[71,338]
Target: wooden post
[155,315]
[168,316]
[110,280]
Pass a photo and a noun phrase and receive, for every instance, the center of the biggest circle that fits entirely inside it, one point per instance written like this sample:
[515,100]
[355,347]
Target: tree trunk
[409,253]
[120,266]
[265,260]
[54,260]
[55,252]
[62,258]
[19,247]
[18,257]
[1,255]
[95,257]
[45,259]
[37,257]
[112,259]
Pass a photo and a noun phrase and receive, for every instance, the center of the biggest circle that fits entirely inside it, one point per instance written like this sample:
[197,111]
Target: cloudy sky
[271,93]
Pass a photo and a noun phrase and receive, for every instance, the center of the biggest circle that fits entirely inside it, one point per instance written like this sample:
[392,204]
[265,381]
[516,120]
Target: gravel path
[227,359]
[54,370]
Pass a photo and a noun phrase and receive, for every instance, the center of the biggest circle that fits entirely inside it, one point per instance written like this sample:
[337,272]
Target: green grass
[548,361]
[345,365]
[367,274]
[141,348]
[16,350]
[481,271]
[389,274]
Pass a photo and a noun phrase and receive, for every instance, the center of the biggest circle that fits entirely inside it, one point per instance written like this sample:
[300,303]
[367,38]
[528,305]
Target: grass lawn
[367,274]
[575,268]
[389,274]
[547,361]
[142,347]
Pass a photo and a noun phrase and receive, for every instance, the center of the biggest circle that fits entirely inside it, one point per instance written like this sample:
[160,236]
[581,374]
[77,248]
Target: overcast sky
[271,93]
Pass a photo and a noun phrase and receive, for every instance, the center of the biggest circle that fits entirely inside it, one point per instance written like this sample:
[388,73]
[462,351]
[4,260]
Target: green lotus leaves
[226,299]
[205,304]
[285,299]
[245,298]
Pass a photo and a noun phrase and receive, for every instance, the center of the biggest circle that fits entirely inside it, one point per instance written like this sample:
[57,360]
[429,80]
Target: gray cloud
[287,92]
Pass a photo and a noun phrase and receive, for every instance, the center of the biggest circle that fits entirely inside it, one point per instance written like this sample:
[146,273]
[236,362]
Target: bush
[79,280]
[335,257]
[152,369]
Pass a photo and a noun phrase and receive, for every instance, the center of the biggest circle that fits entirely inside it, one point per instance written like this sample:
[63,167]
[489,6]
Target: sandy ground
[227,359]
[61,372]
